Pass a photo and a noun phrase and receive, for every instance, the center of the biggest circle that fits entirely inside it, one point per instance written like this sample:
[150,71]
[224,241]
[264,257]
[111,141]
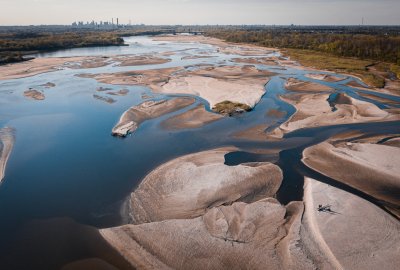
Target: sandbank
[133,117]
[371,168]
[34,94]
[193,118]
[293,84]
[7,138]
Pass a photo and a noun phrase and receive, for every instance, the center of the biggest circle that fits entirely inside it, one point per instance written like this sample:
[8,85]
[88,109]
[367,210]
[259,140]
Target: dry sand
[354,235]
[313,110]
[243,85]
[325,77]
[268,61]
[187,186]
[7,138]
[153,78]
[193,118]
[223,47]
[293,84]
[33,67]
[34,94]
[131,119]
[135,60]
[371,168]
[238,236]
[256,133]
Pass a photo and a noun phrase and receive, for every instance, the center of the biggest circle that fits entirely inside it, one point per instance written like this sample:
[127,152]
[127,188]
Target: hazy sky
[23,12]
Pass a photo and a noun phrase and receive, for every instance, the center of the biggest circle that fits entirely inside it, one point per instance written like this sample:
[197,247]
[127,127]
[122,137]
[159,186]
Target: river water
[65,163]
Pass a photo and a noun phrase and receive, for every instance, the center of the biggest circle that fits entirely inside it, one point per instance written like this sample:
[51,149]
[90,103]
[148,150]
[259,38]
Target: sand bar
[193,118]
[34,94]
[133,117]
[7,138]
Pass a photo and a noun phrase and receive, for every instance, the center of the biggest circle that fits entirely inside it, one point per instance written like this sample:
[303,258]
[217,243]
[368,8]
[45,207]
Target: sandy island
[313,110]
[293,84]
[325,77]
[7,138]
[193,118]
[34,94]
[133,117]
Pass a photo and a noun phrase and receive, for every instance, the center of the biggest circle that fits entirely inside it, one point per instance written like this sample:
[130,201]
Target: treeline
[46,42]
[376,47]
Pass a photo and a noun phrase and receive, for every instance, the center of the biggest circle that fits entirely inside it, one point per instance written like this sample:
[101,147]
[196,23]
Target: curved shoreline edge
[7,139]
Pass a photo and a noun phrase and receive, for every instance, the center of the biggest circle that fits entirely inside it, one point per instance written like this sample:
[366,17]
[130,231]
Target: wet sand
[7,138]
[134,60]
[193,118]
[105,99]
[133,117]
[34,94]
[268,61]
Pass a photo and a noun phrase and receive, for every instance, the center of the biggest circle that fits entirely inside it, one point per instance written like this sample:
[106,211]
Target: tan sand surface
[187,186]
[314,110]
[139,60]
[243,85]
[238,236]
[133,117]
[7,139]
[371,168]
[293,84]
[153,78]
[325,77]
[355,235]
[193,118]
[34,94]
[256,133]
[269,61]
[33,67]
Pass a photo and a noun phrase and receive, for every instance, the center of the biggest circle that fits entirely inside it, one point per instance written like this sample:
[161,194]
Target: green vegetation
[14,46]
[230,108]
[325,61]
[372,57]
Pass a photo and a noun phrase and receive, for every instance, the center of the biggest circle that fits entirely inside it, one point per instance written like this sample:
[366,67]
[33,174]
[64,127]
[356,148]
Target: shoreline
[7,139]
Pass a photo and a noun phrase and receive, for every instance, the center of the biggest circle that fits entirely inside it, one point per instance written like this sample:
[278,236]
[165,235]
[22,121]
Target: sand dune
[7,139]
[193,118]
[131,119]
[371,168]
[187,186]
[355,235]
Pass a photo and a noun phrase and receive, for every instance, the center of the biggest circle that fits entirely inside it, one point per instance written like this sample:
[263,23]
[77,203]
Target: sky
[283,12]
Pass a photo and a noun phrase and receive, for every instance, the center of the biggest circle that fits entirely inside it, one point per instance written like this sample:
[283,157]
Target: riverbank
[7,138]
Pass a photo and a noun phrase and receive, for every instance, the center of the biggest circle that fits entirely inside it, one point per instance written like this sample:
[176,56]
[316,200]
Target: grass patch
[352,66]
[230,108]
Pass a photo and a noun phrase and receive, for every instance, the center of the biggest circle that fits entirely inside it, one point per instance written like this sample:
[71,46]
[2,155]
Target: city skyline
[158,12]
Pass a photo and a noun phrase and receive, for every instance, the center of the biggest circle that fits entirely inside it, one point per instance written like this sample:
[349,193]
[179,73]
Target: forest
[381,47]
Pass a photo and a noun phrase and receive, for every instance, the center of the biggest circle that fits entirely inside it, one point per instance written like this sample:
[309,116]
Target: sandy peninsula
[7,138]
[293,84]
[187,186]
[193,118]
[133,117]
[34,94]
[139,60]
[371,168]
